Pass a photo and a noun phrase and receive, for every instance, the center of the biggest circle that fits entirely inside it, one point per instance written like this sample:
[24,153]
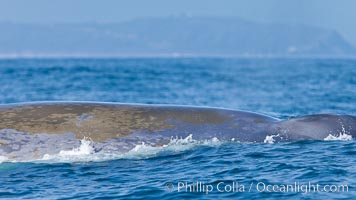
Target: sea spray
[3,159]
[270,139]
[85,152]
[85,148]
[343,134]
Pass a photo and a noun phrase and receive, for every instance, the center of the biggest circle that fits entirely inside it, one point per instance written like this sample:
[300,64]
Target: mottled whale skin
[38,128]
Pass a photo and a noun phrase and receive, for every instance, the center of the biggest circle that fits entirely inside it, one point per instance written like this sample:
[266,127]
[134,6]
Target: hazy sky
[335,14]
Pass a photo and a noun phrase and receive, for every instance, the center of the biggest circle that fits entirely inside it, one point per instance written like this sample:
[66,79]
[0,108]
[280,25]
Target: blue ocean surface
[280,88]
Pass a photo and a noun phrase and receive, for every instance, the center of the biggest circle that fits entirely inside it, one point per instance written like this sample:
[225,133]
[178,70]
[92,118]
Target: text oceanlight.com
[234,186]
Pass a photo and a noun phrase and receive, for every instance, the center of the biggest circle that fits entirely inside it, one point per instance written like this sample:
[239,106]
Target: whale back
[32,130]
[101,121]
[318,126]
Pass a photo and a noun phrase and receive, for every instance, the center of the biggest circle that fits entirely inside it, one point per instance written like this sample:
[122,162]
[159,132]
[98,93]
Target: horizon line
[171,56]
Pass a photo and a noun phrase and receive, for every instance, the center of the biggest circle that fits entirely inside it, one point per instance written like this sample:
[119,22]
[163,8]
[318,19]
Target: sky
[339,15]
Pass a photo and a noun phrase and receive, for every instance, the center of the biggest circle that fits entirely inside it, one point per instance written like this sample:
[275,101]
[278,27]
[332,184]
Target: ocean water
[187,168]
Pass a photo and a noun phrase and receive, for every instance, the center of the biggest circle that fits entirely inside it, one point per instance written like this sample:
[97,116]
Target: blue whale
[39,128]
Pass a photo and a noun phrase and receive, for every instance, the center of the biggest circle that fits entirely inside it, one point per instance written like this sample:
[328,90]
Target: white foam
[3,159]
[342,135]
[175,145]
[270,139]
[85,152]
[85,148]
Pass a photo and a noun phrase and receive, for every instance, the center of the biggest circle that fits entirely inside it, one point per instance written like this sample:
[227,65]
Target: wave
[85,152]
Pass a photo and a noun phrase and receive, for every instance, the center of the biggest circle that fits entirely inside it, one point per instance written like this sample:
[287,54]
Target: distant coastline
[171,37]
